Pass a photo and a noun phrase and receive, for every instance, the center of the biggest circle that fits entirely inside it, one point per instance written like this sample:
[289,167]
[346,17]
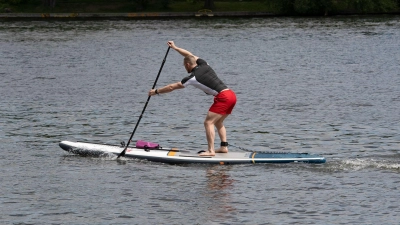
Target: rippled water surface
[329,86]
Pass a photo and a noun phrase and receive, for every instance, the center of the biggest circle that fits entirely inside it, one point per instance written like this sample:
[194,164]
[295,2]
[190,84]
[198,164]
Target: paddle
[141,115]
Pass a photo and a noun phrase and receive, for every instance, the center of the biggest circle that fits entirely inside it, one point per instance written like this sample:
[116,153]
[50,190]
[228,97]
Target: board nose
[65,146]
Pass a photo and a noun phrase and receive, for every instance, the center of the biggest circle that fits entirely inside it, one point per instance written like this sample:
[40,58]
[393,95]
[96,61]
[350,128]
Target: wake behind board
[176,156]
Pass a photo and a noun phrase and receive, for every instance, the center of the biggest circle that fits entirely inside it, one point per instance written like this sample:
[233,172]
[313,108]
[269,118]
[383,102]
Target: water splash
[364,164]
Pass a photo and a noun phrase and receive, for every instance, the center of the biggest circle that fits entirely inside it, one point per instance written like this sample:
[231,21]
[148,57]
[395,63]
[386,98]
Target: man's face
[186,65]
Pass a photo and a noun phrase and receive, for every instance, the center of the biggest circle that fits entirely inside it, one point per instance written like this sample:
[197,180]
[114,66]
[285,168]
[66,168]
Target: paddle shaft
[145,105]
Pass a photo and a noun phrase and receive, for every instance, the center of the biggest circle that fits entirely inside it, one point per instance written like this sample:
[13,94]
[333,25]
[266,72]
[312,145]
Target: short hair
[189,59]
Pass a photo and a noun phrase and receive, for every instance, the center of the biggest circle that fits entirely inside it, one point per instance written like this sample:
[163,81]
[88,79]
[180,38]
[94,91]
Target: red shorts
[224,102]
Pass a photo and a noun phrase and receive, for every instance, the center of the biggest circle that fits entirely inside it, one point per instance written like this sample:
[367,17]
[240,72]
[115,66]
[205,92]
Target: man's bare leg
[222,134]
[214,119]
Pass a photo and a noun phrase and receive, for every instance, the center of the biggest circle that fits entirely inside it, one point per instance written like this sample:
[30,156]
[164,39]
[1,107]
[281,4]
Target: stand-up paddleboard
[177,156]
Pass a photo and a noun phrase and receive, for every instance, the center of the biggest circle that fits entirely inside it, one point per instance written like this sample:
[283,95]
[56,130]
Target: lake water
[328,86]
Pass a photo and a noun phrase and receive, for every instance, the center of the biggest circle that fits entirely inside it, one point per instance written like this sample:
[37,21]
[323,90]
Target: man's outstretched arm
[166,89]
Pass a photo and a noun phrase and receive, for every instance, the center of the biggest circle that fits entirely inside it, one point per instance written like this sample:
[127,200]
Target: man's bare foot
[207,153]
[222,149]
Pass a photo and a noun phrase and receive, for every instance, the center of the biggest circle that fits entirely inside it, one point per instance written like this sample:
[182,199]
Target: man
[203,77]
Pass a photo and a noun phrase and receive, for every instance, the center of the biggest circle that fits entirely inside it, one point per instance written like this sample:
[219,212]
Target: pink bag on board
[146,145]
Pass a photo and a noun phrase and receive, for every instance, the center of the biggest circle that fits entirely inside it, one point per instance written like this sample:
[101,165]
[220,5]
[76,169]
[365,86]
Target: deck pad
[194,155]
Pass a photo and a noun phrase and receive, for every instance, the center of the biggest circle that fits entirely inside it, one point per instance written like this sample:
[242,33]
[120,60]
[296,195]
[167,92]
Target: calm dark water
[329,86]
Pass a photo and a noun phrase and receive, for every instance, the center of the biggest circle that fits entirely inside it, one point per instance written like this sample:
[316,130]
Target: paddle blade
[123,152]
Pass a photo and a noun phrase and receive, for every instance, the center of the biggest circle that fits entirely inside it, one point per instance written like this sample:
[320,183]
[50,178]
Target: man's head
[189,62]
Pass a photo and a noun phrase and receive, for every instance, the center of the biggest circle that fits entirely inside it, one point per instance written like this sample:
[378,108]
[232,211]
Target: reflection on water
[217,191]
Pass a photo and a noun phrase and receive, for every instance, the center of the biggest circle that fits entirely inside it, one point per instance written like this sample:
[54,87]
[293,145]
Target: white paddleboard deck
[177,156]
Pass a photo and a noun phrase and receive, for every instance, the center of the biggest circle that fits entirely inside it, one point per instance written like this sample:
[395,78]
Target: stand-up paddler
[202,76]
